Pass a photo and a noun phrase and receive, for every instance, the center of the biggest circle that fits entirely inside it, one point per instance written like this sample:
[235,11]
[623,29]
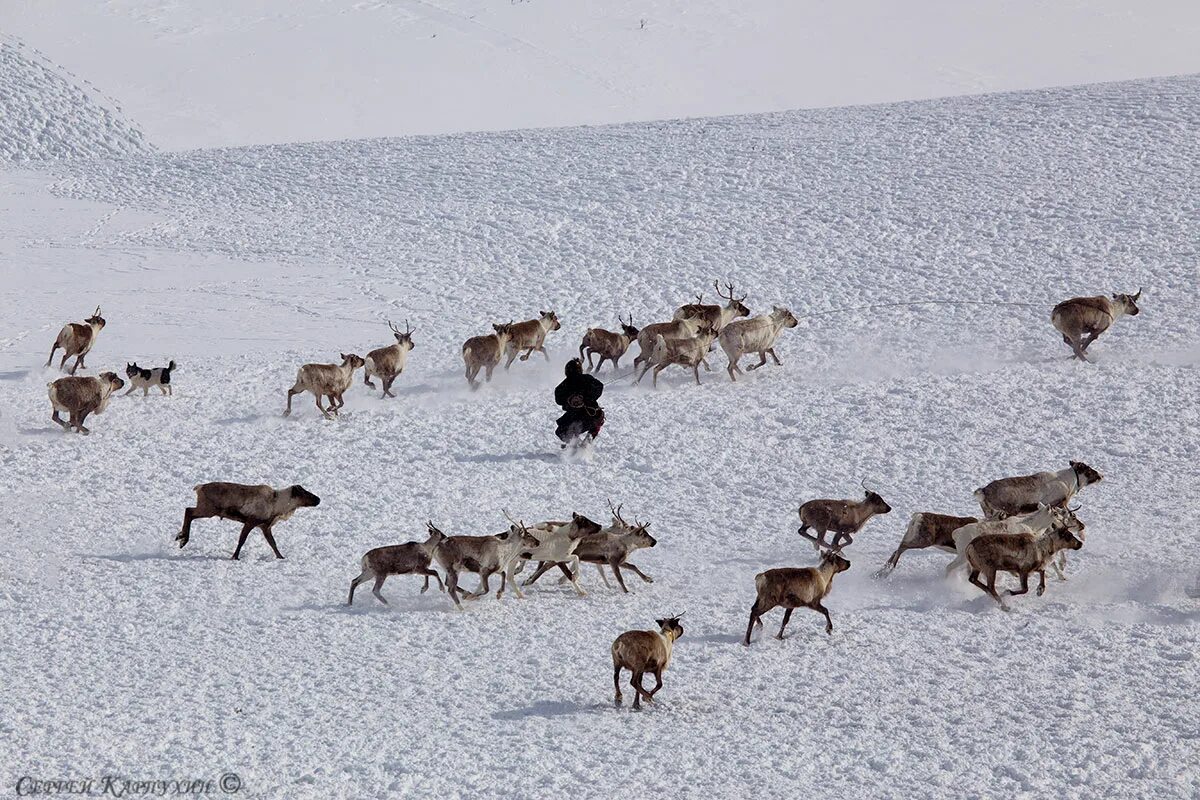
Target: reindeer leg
[512,356]
[287,411]
[640,574]
[639,691]
[603,577]
[266,532]
[432,573]
[379,579]
[778,363]
[696,373]
[50,360]
[787,615]
[542,350]
[246,528]
[54,416]
[1060,565]
[387,386]
[1024,585]
[362,577]
[615,564]
[78,364]
[542,568]
[730,369]
[79,424]
[617,685]
[828,620]
[185,534]
[452,586]
[367,379]
[1041,590]
[573,568]
[756,612]
[763,360]
[657,684]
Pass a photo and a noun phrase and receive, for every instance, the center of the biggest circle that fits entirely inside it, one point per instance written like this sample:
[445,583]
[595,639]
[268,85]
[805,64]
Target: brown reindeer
[1081,319]
[844,517]
[641,652]
[76,339]
[792,588]
[684,352]
[329,380]
[412,558]
[926,529]
[79,397]
[1024,494]
[530,335]
[386,363]
[609,345]
[485,352]
[1018,553]
[254,506]
[714,315]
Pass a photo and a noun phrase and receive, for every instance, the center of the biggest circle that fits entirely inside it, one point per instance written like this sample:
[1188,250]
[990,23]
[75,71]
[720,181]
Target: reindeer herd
[1027,525]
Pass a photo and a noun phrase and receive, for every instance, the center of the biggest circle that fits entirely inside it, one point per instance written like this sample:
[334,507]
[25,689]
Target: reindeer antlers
[616,512]
[408,331]
[729,288]
[519,523]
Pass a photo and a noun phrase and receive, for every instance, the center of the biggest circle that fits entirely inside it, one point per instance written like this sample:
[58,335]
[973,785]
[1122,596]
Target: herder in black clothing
[579,397]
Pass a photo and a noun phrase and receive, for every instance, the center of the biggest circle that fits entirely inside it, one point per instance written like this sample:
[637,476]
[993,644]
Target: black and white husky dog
[145,378]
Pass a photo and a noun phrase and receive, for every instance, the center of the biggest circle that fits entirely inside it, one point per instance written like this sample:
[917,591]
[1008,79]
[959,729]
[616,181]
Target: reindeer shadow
[14,375]
[548,709]
[489,458]
[128,558]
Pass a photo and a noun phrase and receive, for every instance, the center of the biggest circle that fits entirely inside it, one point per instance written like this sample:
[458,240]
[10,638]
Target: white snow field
[231,72]
[126,655]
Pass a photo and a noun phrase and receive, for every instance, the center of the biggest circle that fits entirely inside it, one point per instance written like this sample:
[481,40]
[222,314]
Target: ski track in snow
[135,657]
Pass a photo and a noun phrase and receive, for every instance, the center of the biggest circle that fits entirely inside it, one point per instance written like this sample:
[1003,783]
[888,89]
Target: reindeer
[792,588]
[844,517]
[484,555]
[412,558]
[641,652]
[76,339]
[484,352]
[756,335]
[684,352]
[253,506]
[714,315]
[1035,523]
[331,380]
[556,544]
[607,344]
[1025,493]
[1089,317]
[1018,553]
[79,397]
[531,335]
[676,329]
[610,547]
[386,363]
[926,529]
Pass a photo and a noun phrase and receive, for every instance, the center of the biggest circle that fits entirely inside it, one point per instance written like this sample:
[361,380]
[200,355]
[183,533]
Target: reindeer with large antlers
[713,315]
[76,340]
[386,363]
[609,345]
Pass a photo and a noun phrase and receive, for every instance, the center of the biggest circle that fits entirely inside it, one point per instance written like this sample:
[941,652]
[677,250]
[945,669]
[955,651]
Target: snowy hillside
[228,72]
[46,113]
[133,657]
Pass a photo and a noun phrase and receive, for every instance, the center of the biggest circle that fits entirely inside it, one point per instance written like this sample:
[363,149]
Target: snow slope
[227,72]
[132,656]
[45,112]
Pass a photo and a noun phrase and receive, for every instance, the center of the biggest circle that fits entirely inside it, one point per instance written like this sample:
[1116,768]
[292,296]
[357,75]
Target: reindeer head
[1085,474]
[1128,302]
[670,627]
[436,537]
[1063,519]
[552,318]
[355,361]
[874,501]
[403,337]
[503,329]
[835,559]
[735,303]
[582,526]
[114,381]
[95,320]
[784,316]
[303,497]
[627,327]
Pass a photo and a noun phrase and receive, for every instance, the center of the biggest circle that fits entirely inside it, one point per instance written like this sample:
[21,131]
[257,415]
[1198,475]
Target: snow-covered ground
[127,655]
[232,72]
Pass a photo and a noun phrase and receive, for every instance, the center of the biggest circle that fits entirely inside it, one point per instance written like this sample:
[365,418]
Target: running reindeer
[386,363]
[76,340]
[1089,317]
[714,315]
[609,345]
[844,518]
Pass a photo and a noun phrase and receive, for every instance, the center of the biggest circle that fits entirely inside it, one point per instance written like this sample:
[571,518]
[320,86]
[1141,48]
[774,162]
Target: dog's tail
[171,366]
